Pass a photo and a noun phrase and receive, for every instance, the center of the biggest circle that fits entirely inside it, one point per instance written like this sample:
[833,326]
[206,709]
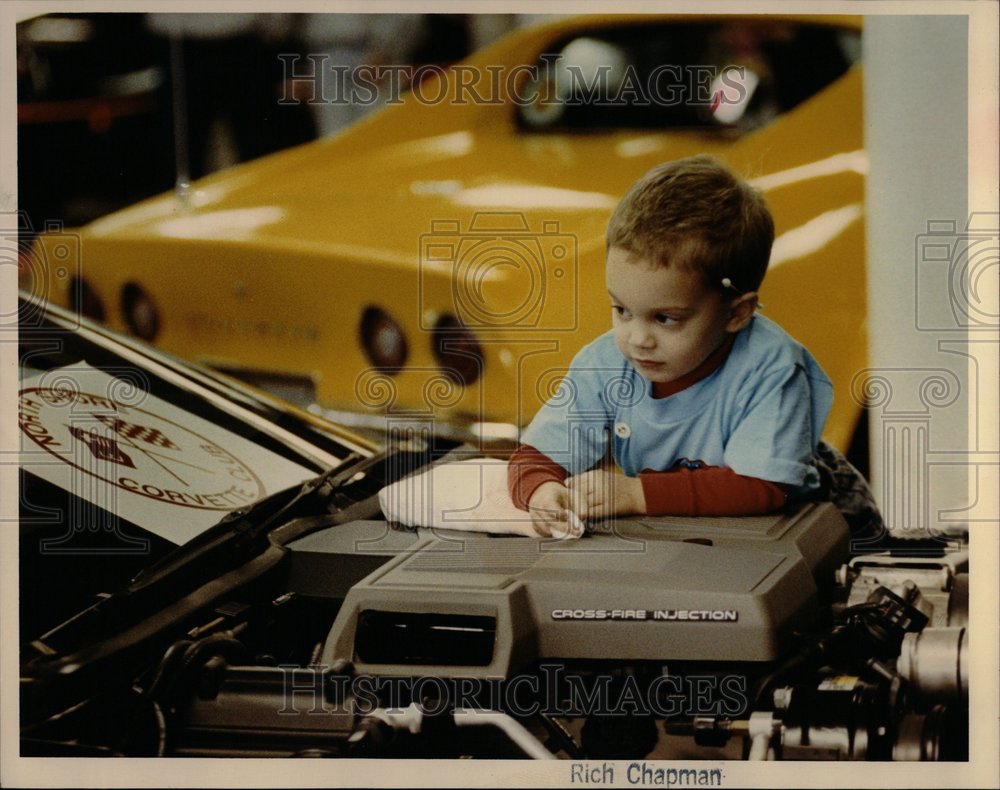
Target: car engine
[759,638]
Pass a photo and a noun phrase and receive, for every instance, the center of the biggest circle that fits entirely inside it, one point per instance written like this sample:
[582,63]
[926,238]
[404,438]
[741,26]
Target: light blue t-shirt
[761,412]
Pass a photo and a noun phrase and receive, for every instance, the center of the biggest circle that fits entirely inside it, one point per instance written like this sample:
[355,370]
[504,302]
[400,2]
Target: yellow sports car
[443,258]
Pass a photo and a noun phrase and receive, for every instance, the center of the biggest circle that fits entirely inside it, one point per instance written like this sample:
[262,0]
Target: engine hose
[223,643]
[759,747]
[161,730]
[808,653]
[165,669]
[761,728]
[558,731]
[509,726]
[412,719]
[173,655]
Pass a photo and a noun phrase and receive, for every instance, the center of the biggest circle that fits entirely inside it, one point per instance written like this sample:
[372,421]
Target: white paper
[468,495]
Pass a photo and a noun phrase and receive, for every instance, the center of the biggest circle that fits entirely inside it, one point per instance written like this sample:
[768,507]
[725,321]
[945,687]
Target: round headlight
[139,311]
[85,300]
[457,351]
[383,340]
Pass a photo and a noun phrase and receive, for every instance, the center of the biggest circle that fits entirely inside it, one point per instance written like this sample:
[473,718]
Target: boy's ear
[741,311]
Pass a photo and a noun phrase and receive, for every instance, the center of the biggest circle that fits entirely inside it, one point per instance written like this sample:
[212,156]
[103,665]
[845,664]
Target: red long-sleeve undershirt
[704,491]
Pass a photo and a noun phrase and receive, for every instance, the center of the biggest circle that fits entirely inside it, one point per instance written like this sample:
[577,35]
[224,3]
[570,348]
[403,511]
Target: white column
[924,248]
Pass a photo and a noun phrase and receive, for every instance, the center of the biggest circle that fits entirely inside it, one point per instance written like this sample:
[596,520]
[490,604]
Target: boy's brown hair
[699,214]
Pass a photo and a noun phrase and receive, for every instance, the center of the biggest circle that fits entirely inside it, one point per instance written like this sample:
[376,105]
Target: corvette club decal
[136,450]
[141,457]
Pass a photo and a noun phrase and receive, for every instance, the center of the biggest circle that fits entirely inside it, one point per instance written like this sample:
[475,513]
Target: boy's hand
[549,506]
[599,494]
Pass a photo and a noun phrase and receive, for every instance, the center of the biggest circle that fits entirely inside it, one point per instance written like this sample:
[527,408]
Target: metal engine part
[935,662]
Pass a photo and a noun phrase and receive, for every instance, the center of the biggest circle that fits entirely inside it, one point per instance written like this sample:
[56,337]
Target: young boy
[709,408]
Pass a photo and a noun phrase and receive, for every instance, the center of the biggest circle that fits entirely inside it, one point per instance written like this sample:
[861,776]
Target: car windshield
[736,75]
[124,456]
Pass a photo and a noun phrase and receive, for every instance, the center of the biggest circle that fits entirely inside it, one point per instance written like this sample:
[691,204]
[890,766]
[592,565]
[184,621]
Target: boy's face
[666,322]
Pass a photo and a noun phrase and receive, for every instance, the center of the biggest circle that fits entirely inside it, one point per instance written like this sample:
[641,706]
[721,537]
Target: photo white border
[983,768]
